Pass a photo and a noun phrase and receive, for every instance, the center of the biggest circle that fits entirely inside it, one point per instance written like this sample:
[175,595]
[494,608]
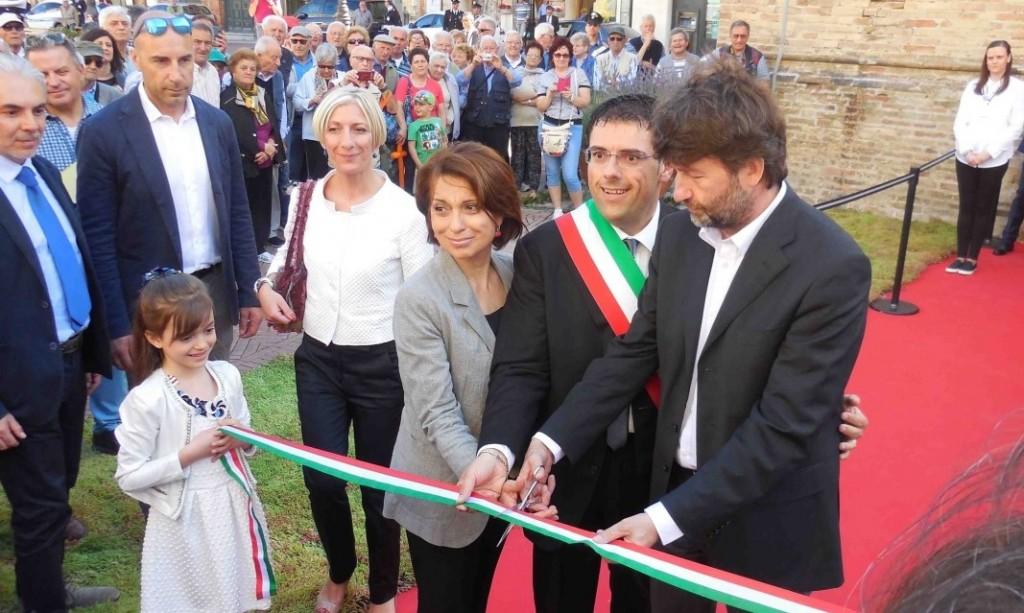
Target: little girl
[206,547]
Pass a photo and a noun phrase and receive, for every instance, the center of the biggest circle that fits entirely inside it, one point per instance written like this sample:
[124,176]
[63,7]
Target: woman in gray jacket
[446,317]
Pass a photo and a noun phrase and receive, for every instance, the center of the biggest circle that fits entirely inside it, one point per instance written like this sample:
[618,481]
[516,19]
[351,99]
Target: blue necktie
[72,276]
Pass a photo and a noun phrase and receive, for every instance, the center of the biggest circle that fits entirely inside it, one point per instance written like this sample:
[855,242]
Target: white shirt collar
[153,113]
[745,236]
[9,169]
[648,234]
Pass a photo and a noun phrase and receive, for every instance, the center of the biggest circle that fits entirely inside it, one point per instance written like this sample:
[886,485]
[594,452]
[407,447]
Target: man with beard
[555,330]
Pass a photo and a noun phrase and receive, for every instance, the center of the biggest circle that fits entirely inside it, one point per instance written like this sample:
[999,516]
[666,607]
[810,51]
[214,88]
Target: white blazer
[155,426]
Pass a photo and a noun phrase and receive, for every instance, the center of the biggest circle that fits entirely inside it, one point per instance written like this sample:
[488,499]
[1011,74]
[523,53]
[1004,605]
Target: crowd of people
[145,173]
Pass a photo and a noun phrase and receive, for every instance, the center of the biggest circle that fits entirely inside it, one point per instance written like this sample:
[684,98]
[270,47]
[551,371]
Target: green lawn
[110,554]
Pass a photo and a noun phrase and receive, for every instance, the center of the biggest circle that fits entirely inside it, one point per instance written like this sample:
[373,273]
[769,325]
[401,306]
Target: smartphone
[364,76]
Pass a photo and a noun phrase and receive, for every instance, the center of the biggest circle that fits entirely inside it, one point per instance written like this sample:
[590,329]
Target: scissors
[519,507]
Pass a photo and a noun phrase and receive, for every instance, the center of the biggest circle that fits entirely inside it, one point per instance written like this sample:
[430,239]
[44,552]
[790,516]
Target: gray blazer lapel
[462,294]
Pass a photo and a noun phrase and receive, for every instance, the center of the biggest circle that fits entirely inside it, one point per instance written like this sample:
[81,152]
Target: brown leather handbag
[291,281]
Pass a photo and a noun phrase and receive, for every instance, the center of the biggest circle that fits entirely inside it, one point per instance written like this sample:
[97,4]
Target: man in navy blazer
[160,184]
[52,332]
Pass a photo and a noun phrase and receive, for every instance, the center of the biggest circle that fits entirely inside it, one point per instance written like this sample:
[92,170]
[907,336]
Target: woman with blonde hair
[360,237]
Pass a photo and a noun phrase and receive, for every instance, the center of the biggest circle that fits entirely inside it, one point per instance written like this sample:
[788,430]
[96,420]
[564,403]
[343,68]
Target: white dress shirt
[17,195]
[989,122]
[729,254]
[206,84]
[356,261]
[184,160]
[645,247]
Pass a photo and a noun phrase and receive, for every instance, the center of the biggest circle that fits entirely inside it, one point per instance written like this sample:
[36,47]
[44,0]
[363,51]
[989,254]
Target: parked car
[325,11]
[188,9]
[429,23]
[44,16]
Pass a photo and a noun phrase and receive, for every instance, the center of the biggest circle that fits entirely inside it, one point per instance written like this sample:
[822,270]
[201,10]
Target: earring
[497,232]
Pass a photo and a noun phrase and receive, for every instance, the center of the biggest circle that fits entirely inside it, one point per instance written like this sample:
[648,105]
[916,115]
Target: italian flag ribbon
[608,270]
[259,541]
[711,583]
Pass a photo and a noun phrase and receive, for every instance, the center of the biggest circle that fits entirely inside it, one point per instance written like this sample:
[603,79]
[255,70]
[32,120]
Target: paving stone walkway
[249,353]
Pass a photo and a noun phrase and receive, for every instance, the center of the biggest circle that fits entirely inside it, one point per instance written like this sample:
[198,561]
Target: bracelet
[260,283]
[497,454]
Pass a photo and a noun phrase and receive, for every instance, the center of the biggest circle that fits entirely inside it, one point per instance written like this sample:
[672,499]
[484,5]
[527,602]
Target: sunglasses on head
[157,26]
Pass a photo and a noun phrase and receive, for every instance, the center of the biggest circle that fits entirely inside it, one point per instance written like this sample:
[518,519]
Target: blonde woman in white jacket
[988,127]
[206,547]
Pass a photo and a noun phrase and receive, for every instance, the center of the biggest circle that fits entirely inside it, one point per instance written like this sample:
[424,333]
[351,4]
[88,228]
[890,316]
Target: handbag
[555,138]
[291,281]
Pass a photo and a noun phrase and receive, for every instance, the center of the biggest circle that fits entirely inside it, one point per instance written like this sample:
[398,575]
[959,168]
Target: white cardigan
[155,426]
[990,123]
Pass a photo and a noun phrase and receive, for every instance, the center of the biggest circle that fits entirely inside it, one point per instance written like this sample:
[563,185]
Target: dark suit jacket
[551,329]
[128,213]
[244,123]
[764,501]
[31,363]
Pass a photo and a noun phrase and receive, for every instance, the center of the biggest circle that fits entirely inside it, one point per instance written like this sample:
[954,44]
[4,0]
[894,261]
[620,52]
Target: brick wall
[871,87]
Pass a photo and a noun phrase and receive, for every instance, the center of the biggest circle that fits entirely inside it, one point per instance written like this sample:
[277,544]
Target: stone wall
[871,87]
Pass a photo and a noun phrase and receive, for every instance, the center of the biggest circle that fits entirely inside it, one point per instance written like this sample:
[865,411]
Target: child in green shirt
[426,133]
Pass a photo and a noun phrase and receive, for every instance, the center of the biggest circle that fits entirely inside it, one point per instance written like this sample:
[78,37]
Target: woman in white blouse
[987,128]
[363,238]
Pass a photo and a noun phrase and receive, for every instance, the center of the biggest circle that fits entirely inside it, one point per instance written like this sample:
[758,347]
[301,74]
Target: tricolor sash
[238,469]
[608,270]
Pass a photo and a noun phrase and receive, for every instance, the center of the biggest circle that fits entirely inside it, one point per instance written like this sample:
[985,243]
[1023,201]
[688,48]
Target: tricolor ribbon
[259,541]
[705,581]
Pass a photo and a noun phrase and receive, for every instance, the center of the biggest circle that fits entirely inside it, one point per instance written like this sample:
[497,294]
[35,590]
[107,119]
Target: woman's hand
[261,157]
[270,148]
[275,307]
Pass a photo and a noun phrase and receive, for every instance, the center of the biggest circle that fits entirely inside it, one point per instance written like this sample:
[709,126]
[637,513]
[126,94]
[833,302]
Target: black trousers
[526,156]
[259,190]
[979,196]
[455,580]
[496,137]
[339,387]
[565,577]
[1015,217]
[316,159]
[36,477]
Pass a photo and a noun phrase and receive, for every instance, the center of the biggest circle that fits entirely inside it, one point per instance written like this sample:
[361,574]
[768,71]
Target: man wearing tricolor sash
[575,289]
[753,314]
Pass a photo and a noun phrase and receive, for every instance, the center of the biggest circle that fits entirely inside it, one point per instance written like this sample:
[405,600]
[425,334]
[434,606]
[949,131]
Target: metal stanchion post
[893,305]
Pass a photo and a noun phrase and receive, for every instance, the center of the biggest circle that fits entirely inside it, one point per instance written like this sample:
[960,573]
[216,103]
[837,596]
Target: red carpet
[934,385]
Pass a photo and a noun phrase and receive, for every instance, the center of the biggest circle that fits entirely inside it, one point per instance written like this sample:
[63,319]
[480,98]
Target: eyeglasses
[98,62]
[357,41]
[627,158]
[14,26]
[159,273]
[326,66]
[616,39]
[559,55]
[157,26]
[300,41]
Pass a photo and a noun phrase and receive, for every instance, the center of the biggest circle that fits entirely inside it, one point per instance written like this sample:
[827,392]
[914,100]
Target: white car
[44,16]
[429,23]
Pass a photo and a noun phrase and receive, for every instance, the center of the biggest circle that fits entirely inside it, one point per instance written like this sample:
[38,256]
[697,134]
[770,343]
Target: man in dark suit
[753,315]
[453,17]
[160,184]
[53,345]
[555,330]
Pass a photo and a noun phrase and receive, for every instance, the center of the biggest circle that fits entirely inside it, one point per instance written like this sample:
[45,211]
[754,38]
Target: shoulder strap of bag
[295,252]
